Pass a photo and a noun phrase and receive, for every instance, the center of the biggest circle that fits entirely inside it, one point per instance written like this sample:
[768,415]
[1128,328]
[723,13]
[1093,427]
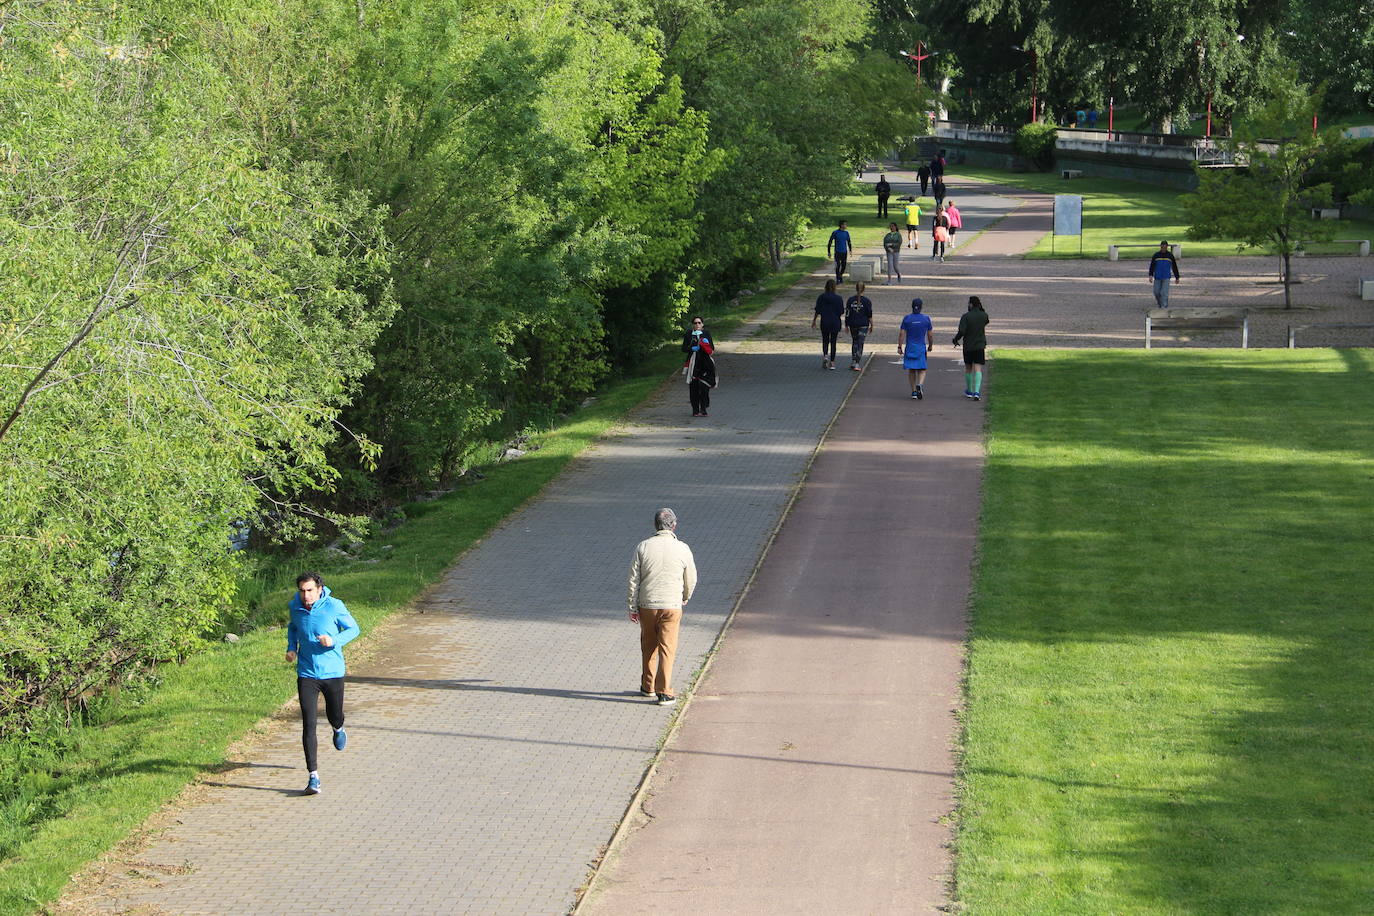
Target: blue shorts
[914,361]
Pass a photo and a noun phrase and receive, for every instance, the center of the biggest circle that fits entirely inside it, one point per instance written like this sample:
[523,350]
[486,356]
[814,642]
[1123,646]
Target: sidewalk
[814,768]
[497,736]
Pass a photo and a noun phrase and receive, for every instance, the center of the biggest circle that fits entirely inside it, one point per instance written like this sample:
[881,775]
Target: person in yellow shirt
[913,222]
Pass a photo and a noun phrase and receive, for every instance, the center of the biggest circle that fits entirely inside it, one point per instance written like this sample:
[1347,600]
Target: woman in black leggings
[830,313]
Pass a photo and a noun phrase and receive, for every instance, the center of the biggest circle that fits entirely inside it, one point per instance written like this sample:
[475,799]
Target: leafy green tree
[181,323]
[1267,199]
[1332,42]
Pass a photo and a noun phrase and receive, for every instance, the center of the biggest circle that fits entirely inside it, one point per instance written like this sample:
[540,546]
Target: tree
[1267,198]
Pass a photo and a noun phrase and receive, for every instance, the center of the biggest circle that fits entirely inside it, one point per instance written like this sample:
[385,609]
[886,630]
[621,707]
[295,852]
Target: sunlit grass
[1134,213]
[1169,706]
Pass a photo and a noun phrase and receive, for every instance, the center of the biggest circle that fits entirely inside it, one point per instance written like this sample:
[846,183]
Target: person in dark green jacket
[972,331]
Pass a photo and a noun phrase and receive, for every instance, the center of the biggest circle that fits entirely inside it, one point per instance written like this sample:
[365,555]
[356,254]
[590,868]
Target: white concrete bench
[1363,245]
[1071,173]
[861,269]
[1293,329]
[1326,213]
[1367,289]
[1114,251]
[1197,319]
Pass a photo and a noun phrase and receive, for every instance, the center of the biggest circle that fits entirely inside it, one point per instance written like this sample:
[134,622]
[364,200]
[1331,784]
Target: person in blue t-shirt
[830,313]
[915,339]
[839,240]
[319,629]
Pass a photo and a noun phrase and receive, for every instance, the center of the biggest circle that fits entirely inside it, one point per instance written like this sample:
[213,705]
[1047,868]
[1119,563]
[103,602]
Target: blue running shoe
[340,739]
[313,786]
[976,397]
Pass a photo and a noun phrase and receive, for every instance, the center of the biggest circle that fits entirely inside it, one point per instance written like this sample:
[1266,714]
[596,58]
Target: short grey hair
[665,520]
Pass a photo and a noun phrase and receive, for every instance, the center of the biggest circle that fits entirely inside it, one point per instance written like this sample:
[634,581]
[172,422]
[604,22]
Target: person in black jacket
[923,173]
[884,190]
[700,368]
[830,313]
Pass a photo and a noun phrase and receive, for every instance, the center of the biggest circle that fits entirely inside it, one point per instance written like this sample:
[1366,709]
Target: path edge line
[622,828]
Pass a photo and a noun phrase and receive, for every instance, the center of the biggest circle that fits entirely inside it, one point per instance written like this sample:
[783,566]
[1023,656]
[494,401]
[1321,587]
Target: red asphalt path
[814,767]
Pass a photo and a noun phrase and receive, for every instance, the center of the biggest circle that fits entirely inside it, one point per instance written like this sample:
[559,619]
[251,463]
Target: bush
[1036,143]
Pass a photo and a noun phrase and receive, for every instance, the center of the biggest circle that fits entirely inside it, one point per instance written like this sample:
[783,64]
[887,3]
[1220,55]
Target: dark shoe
[919,392]
[705,414]
[976,397]
[313,786]
[340,739]
[915,396]
[665,700]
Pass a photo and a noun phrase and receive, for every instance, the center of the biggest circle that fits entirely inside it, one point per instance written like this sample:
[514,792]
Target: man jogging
[913,223]
[1161,264]
[319,629]
[884,190]
[839,240]
[973,332]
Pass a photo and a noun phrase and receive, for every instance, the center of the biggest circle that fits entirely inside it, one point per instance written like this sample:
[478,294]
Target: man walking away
[937,166]
[839,240]
[937,190]
[915,339]
[663,576]
[913,223]
[319,629]
[923,173]
[884,190]
[973,332]
[1161,264]
[858,317]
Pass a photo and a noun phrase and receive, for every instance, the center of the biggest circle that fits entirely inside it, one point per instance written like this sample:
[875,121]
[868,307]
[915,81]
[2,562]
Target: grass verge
[1168,701]
[1134,213]
[73,800]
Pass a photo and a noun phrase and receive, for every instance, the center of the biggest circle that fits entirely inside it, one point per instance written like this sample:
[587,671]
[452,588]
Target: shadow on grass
[1170,661]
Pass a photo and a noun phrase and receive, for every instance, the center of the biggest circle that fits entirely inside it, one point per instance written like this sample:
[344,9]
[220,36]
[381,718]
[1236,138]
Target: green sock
[977,382]
[968,381]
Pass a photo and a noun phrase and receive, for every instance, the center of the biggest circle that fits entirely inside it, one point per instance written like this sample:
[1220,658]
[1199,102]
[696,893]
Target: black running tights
[308,689]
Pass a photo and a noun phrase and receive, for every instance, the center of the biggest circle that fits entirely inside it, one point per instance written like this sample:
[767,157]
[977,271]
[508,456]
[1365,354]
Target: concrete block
[861,269]
[1367,289]
[1326,213]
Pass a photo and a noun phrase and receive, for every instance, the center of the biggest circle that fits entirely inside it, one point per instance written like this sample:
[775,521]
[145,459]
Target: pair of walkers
[943,226]
[833,312]
[916,338]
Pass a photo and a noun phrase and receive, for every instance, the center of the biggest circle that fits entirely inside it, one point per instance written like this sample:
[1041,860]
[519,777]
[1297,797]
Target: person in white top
[663,576]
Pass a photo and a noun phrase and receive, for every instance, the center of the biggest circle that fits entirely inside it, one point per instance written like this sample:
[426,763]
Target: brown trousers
[658,644]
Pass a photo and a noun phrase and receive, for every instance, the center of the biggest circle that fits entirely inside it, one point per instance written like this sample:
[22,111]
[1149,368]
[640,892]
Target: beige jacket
[663,573]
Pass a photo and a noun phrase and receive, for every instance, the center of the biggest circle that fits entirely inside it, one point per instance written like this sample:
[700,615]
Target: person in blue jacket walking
[320,627]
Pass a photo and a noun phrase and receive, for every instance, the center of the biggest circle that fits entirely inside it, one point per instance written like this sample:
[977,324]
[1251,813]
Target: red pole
[1111,110]
[1035,78]
[1209,114]
[919,58]
[1314,123]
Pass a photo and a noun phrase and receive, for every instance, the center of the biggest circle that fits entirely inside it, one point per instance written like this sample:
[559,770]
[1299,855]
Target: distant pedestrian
[1162,263]
[939,234]
[320,626]
[663,576]
[973,332]
[937,190]
[858,318]
[915,339]
[830,313]
[956,219]
[892,249]
[923,173]
[884,190]
[937,166]
[700,368]
[840,241]
[913,223]
[1092,119]
[1080,118]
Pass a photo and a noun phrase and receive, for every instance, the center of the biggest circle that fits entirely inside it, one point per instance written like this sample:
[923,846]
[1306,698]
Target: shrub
[1036,143]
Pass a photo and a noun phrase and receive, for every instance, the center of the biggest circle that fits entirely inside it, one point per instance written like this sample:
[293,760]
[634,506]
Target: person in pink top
[955,220]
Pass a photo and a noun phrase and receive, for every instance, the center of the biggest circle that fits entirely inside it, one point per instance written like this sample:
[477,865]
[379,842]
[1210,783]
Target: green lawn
[1132,213]
[1169,694]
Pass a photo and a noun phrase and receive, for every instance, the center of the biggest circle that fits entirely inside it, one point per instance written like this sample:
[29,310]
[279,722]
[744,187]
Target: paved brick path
[496,739]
